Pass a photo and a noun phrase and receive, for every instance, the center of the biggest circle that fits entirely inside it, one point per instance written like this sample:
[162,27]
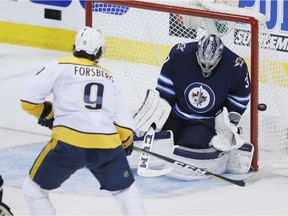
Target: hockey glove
[128,150]
[45,120]
[5,210]
[127,141]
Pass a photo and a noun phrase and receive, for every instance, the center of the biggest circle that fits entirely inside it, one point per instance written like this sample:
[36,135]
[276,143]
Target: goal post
[140,34]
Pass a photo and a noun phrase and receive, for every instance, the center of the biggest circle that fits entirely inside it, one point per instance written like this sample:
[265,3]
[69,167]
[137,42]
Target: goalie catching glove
[228,139]
[153,110]
[227,135]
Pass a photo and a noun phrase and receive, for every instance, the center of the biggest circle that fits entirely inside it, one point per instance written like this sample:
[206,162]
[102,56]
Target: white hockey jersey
[89,107]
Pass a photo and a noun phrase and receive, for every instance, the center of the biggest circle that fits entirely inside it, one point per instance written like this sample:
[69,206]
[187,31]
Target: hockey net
[140,34]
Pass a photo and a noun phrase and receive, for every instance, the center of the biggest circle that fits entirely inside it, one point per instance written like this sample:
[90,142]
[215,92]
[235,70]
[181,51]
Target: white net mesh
[138,42]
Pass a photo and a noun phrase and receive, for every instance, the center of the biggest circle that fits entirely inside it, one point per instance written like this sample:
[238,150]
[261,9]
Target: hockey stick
[143,165]
[242,183]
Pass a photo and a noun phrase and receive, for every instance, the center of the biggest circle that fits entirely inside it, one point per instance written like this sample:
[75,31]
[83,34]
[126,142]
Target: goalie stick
[143,165]
[242,183]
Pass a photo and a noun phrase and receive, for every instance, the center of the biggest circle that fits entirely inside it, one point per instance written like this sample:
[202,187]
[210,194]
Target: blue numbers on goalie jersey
[93,95]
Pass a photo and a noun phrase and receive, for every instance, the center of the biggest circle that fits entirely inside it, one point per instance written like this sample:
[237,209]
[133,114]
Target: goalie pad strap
[158,136]
[198,154]
[247,147]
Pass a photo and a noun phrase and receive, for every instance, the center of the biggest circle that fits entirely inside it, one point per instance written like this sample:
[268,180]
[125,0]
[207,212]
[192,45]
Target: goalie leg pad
[208,159]
[240,159]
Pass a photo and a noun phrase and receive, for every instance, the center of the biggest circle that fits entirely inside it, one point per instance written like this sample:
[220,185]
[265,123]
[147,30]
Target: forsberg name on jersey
[92,71]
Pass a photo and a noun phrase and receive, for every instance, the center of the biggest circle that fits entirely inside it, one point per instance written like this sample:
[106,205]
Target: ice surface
[21,139]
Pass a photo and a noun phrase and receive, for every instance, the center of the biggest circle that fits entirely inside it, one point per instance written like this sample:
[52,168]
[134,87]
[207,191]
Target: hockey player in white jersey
[91,127]
[207,87]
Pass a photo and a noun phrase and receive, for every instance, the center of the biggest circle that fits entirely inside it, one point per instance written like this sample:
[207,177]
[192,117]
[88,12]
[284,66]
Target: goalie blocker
[154,110]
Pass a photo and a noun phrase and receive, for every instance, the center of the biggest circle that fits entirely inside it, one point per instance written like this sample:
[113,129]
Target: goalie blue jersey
[194,97]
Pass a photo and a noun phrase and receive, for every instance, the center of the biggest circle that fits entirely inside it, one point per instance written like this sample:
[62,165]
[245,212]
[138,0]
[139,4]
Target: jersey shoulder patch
[239,62]
[184,49]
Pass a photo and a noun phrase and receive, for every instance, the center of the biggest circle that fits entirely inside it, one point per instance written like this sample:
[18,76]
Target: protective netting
[138,42]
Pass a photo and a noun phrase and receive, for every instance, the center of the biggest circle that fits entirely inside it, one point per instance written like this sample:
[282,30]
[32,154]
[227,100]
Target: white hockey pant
[37,199]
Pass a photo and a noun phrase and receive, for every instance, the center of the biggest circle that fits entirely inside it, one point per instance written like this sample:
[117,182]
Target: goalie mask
[90,41]
[209,53]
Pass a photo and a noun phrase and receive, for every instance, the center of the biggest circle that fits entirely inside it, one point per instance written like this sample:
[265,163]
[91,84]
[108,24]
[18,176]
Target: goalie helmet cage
[140,34]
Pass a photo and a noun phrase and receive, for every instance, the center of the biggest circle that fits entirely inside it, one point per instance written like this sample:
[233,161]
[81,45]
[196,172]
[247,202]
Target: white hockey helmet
[89,40]
[209,53]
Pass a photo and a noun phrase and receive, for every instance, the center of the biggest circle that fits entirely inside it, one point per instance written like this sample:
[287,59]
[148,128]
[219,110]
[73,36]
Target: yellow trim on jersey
[36,109]
[80,61]
[86,140]
[51,145]
[33,109]
[126,136]
[73,60]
